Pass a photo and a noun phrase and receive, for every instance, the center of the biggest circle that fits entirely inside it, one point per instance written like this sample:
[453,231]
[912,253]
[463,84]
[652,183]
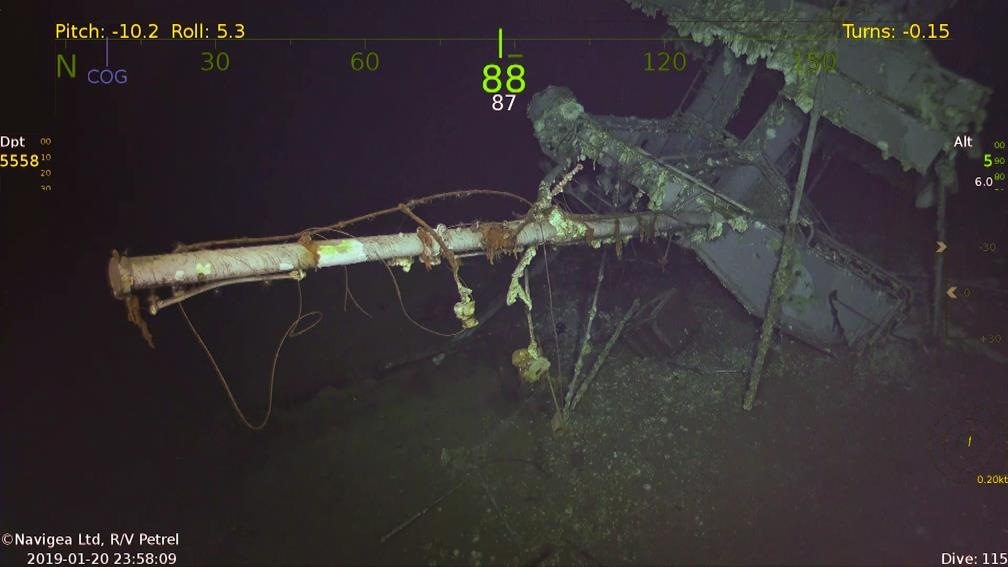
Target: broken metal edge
[119,275]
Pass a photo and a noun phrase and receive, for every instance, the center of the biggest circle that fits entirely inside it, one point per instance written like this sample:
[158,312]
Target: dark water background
[102,433]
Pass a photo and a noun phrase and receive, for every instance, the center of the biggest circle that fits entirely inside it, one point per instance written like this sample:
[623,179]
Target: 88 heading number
[492,81]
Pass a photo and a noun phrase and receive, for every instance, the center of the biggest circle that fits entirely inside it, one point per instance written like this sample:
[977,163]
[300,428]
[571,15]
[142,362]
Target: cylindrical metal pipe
[130,274]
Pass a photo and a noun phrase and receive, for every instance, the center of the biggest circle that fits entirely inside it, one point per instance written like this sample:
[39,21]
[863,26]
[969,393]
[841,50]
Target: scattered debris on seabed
[647,453]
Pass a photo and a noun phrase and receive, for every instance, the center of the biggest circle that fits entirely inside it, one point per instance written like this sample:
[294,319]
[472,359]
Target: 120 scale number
[675,61]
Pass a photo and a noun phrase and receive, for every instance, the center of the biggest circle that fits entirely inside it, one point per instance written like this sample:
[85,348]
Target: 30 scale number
[218,61]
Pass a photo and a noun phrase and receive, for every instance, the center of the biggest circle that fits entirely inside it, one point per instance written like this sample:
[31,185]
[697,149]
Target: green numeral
[492,83]
[360,61]
[989,161]
[219,61]
[668,61]
[814,61]
[516,79]
[491,78]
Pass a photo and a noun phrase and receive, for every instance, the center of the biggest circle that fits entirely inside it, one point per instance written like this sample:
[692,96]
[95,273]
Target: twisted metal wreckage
[726,199]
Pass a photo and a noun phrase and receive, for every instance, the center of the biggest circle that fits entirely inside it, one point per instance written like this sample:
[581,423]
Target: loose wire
[292,331]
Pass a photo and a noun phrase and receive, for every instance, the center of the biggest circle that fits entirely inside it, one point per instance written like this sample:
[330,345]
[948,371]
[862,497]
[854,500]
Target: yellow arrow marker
[941,247]
[969,441]
[951,292]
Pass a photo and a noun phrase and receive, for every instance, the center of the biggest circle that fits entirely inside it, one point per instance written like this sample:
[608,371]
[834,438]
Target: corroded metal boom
[131,274]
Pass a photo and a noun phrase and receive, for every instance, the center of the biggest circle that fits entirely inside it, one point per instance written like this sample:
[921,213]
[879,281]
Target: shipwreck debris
[129,274]
[783,275]
[892,94]
[654,331]
[738,242]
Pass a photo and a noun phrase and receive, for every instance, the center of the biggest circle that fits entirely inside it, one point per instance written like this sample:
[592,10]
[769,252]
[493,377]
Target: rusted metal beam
[130,274]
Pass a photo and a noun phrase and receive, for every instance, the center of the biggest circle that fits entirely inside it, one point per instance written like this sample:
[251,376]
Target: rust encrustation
[311,246]
[497,238]
[119,275]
